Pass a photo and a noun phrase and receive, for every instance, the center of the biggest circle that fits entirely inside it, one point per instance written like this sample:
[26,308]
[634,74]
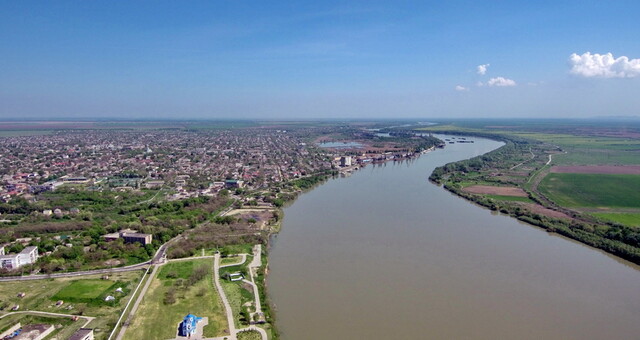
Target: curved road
[159,257]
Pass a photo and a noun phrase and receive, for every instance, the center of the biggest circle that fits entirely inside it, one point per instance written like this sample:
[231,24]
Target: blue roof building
[188,325]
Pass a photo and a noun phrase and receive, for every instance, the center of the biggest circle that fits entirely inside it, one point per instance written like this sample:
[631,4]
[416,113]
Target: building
[189,325]
[233,183]
[345,161]
[153,184]
[12,261]
[137,237]
[1,250]
[28,255]
[130,236]
[83,334]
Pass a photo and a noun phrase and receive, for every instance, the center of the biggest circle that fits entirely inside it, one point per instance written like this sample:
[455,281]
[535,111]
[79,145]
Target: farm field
[510,198]
[592,190]
[590,150]
[159,315]
[41,295]
[598,169]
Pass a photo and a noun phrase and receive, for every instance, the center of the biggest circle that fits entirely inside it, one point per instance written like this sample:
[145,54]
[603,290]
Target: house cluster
[27,256]
[185,161]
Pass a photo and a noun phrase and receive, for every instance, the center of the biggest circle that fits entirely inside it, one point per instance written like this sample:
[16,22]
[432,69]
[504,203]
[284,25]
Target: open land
[44,296]
[171,296]
[592,190]
[598,169]
[582,177]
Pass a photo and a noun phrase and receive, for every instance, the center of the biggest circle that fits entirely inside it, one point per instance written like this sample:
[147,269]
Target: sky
[318,59]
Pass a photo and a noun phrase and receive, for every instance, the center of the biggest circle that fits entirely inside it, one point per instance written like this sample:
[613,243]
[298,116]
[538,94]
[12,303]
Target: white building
[27,256]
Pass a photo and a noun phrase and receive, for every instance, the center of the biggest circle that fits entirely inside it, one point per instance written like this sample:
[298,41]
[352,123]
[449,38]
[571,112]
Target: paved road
[124,327]
[257,256]
[158,258]
[223,297]
[73,274]
[253,266]
[192,258]
[233,331]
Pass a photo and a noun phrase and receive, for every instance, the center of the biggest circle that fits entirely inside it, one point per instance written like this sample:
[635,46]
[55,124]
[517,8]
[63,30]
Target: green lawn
[592,190]
[629,219]
[180,269]
[249,335]
[83,289]
[238,294]
[155,319]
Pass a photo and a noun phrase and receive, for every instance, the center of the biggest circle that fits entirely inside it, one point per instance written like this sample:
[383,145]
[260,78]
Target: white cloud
[500,81]
[482,69]
[604,66]
[461,88]
[479,84]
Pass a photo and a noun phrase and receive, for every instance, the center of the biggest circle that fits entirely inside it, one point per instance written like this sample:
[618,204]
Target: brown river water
[385,254]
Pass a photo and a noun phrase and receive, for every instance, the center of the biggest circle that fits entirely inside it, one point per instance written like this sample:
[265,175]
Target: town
[106,205]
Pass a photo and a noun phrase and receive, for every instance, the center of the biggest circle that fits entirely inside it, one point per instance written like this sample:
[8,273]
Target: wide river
[385,254]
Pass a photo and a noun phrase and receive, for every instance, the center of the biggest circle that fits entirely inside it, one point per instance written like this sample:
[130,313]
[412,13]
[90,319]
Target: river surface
[385,254]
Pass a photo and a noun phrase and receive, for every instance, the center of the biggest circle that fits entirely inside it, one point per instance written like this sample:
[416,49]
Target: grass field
[180,269]
[598,157]
[39,297]
[83,289]
[249,335]
[628,219]
[588,150]
[156,320]
[592,190]
[230,260]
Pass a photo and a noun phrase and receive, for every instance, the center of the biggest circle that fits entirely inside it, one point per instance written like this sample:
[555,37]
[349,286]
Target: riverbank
[522,163]
[386,254]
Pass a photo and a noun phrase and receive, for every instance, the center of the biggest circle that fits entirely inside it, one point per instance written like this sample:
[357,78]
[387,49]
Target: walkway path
[255,263]
[223,297]
[124,327]
[158,258]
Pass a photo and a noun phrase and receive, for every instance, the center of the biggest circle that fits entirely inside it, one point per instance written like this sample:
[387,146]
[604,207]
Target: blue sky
[312,59]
